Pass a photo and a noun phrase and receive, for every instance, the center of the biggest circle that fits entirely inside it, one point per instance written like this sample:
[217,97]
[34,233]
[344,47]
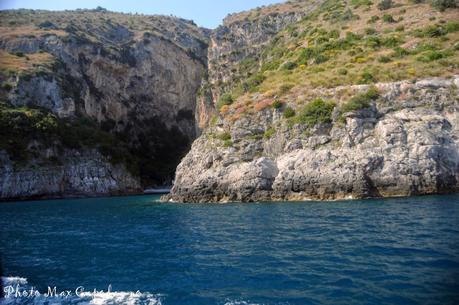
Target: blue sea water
[392,251]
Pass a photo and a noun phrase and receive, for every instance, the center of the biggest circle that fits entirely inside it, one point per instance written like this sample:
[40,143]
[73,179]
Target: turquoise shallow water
[393,251]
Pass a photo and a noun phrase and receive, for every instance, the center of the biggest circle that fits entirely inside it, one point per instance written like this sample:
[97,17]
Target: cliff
[320,99]
[355,100]
[238,43]
[129,78]
[404,143]
[77,174]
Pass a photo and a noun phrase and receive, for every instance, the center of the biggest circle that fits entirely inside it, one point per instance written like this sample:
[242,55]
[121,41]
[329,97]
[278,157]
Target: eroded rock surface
[406,143]
[80,174]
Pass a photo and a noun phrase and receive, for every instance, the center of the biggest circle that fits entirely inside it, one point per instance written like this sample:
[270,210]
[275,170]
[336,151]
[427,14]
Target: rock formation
[135,77]
[406,143]
[299,100]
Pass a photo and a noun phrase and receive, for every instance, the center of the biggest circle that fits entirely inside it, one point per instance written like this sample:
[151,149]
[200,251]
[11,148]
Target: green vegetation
[384,59]
[289,65]
[224,136]
[358,3]
[373,19]
[385,5]
[360,101]
[251,85]
[277,104]
[443,5]
[437,30]
[20,125]
[342,71]
[366,78]
[370,31]
[315,112]
[333,48]
[289,112]
[285,88]
[432,55]
[388,18]
[269,133]
[227,143]
[225,99]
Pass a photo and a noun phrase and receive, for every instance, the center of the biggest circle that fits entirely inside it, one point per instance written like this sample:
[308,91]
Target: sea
[138,250]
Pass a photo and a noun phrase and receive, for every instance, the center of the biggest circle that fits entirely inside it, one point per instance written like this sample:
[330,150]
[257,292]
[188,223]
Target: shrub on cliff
[225,99]
[316,112]
[269,133]
[385,5]
[285,88]
[366,78]
[277,104]
[224,136]
[432,55]
[19,125]
[442,5]
[289,65]
[388,18]
[289,112]
[373,19]
[253,82]
[360,101]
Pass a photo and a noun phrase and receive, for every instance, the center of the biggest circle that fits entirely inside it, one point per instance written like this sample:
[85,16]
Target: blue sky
[207,13]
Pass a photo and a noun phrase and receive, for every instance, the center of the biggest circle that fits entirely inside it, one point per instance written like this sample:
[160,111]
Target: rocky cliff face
[244,35]
[270,90]
[340,104]
[135,76]
[240,38]
[405,143]
[76,174]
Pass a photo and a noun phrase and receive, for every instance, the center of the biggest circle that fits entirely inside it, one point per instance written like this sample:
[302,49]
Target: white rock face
[82,174]
[407,143]
[139,84]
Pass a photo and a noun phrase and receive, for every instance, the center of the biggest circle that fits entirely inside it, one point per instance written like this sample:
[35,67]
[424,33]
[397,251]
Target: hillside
[301,99]
[357,99]
[351,43]
[115,90]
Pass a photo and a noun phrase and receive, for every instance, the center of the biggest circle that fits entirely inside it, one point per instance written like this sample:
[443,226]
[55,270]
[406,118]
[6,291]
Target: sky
[206,13]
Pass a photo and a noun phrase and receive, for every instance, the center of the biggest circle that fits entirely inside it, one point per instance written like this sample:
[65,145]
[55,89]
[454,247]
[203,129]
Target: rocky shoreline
[83,174]
[406,143]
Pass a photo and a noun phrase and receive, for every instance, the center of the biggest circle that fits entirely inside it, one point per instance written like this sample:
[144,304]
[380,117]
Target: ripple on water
[394,251]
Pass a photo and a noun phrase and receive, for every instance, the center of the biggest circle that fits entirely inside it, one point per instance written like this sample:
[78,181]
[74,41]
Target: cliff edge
[404,142]
[356,99]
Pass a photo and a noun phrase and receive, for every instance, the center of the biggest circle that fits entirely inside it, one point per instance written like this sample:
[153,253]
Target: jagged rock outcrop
[242,36]
[245,34]
[77,174]
[137,77]
[406,143]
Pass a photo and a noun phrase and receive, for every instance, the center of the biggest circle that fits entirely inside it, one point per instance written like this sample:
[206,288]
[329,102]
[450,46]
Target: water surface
[393,251]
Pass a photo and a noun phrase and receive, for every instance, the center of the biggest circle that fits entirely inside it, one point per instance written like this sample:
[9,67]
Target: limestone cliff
[240,39]
[354,100]
[78,174]
[405,143]
[135,76]
[320,99]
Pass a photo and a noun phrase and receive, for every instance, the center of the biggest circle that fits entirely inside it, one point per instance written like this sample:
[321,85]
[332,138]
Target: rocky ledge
[406,142]
[76,174]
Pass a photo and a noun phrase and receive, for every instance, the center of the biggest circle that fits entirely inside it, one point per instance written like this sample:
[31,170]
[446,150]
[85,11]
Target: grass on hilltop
[348,43]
